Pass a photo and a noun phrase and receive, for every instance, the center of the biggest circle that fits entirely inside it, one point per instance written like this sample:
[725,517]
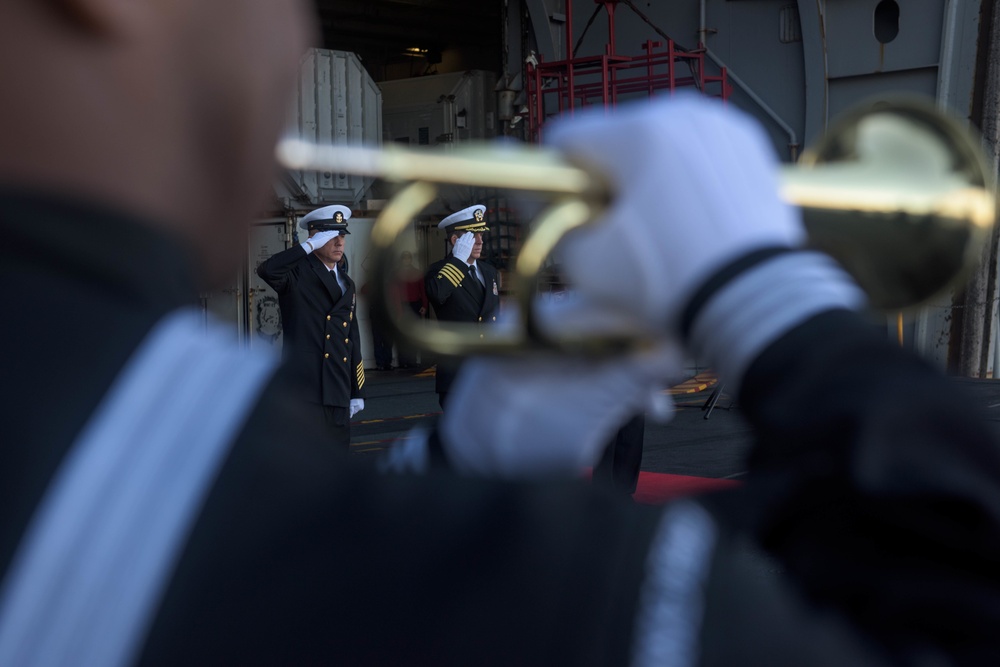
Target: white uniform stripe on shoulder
[90,570]
[671,603]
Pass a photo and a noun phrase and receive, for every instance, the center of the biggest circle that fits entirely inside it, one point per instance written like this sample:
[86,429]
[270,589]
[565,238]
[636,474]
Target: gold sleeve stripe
[361,375]
[450,277]
[451,268]
[452,273]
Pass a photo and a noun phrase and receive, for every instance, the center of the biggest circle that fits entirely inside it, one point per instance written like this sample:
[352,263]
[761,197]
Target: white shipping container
[337,103]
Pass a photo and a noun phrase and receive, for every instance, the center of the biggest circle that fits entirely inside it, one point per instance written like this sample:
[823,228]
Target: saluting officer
[461,287]
[322,348]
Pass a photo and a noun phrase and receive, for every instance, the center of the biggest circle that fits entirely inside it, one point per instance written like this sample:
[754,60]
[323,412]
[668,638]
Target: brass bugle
[897,191]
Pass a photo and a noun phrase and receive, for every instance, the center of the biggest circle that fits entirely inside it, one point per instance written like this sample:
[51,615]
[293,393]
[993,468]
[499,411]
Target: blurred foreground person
[322,347]
[166,502]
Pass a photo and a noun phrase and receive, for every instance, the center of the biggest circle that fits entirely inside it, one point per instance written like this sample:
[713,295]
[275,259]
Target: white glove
[548,414]
[463,247]
[551,414]
[318,240]
[357,405]
[696,187]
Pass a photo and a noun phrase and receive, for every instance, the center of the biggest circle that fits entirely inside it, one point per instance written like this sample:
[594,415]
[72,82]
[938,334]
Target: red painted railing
[560,87]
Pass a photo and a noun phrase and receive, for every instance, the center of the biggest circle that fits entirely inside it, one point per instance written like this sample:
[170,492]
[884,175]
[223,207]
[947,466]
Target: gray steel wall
[795,64]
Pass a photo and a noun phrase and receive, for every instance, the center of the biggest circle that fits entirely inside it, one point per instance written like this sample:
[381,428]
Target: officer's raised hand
[463,247]
[318,240]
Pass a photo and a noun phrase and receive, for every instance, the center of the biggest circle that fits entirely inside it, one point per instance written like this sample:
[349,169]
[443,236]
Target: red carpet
[655,488]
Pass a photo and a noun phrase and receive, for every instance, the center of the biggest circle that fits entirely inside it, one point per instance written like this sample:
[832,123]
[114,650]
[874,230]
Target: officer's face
[332,251]
[477,247]
[337,248]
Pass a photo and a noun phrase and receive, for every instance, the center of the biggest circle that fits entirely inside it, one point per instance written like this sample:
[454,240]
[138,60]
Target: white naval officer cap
[332,218]
[467,220]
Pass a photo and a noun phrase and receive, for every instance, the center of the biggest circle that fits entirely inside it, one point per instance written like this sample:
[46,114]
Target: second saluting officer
[322,347]
[460,287]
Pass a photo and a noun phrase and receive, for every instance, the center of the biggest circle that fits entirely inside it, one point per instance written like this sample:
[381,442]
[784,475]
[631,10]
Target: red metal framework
[609,78]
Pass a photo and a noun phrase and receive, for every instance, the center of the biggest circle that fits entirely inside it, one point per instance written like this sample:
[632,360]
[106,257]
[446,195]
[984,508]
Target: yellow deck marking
[698,383]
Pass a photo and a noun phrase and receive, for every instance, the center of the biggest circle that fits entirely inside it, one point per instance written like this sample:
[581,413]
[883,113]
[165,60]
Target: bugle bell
[897,191]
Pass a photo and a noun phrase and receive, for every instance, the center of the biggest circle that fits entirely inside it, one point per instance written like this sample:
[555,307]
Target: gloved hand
[551,414]
[695,186]
[318,240]
[357,405]
[463,246]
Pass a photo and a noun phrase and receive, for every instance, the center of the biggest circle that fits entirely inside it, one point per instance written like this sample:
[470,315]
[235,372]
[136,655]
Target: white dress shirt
[340,281]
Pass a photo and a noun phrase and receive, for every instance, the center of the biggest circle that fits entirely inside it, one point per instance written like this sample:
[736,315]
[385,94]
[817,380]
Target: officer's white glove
[318,240]
[695,186]
[357,405]
[463,247]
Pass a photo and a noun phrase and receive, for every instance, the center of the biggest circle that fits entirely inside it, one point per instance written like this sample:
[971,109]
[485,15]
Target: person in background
[381,340]
[405,294]
[461,287]
[412,297]
[322,346]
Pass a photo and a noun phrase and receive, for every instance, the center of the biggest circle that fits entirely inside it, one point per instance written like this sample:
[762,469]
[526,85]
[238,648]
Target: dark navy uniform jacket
[322,347]
[455,298]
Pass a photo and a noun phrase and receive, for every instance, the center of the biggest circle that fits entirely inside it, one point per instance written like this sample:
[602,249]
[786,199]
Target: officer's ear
[107,18]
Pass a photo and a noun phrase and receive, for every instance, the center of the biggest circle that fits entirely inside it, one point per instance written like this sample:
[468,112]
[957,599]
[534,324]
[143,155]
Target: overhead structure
[557,87]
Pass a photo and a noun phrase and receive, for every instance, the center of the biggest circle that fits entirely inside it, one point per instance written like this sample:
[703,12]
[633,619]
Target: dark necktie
[477,287]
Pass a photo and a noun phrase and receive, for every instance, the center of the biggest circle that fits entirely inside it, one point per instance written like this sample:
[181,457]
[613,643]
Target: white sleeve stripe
[671,602]
[761,305]
[90,570]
